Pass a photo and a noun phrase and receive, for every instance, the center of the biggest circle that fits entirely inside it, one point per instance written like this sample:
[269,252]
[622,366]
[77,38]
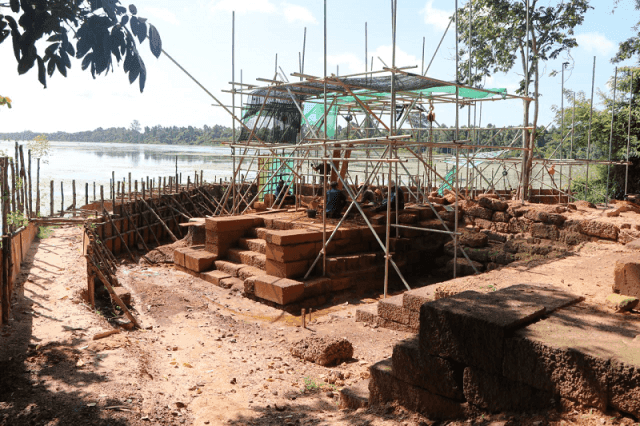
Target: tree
[135,126]
[500,37]
[5,101]
[103,30]
[631,46]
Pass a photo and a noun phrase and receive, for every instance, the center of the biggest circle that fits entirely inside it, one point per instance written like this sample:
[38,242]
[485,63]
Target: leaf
[155,42]
[124,20]
[42,74]
[55,37]
[143,76]
[61,69]
[51,66]
[15,6]
[87,61]
[133,9]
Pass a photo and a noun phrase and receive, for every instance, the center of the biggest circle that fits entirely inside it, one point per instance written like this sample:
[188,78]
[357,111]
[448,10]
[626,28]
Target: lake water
[89,162]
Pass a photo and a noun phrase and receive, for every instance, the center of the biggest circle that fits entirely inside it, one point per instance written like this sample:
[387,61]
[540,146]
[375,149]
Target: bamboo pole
[119,235]
[173,237]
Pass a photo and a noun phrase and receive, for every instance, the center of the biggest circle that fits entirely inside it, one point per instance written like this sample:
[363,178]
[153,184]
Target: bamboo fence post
[102,198]
[94,191]
[143,190]
[62,198]
[30,187]
[13,185]
[175,220]
[73,196]
[4,282]
[86,193]
[188,183]
[23,189]
[38,187]
[51,200]
[149,227]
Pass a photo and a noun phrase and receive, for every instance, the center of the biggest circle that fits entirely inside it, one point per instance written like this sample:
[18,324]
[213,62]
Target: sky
[198,35]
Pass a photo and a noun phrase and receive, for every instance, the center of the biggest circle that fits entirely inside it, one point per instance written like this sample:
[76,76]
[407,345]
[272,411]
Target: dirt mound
[164,254]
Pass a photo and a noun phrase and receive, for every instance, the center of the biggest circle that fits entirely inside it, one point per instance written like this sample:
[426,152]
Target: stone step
[254,244]
[258,232]
[248,257]
[356,396]
[352,262]
[232,283]
[413,299]
[367,314]
[392,309]
[237,269]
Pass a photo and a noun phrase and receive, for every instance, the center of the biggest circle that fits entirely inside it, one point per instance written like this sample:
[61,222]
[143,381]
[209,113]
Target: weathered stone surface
[478,211]
[317,286]
[287,269]
[550,297]
[323,350]
[214,277]
[413,299]
[291,253]
[584,204]
[603,230]
[626,276]
[392,309]
[367,313]
[470,327]
[228,267]
[293,236]
[464,267]
[435,374]
[493,204]
[570,353]
[232,283]
[229,223]
[248,257]
[484,223]
[473,239]
[542,230]
[355,396]
[545,217]
[384,387]
[621,303]
[518,225]
[279,290]
[624,384]
[500,216]
[494,393]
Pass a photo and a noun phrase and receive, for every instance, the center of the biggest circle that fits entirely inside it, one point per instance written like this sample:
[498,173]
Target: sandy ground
[207,356]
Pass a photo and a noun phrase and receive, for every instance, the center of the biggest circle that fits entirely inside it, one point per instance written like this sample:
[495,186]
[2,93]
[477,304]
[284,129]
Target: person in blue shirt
[395,192]
[336,201]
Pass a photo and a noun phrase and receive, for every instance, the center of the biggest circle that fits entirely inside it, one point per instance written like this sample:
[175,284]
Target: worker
[282,191]
[368,196]
[320,168]
[396,193]
[335,201]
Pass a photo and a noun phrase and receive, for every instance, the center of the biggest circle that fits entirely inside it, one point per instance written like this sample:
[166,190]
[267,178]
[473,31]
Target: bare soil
[209,356]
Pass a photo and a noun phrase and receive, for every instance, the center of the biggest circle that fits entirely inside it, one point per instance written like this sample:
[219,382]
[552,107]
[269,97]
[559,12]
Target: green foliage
[17,219]
[45,232]
[158,135]
[310,384]
[504,24]
[5,101]
[103,30]
[40,147]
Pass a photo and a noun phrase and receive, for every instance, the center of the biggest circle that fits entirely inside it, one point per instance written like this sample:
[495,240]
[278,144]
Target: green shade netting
[464,93]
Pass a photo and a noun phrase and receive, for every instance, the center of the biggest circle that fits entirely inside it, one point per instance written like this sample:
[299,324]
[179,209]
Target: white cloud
[163,14]
[437,17]
[385,53]
[348,62]
[595,43]
[244,6]
[293,13]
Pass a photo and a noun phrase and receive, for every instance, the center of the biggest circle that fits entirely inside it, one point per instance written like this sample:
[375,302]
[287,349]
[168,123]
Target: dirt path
[208,356]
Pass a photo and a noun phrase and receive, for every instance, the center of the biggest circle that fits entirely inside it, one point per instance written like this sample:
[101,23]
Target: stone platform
[523,348]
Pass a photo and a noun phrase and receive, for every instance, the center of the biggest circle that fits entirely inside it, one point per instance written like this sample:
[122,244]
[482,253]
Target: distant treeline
[157,134]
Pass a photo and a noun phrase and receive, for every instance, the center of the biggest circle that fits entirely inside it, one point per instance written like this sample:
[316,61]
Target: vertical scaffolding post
[626,172]
[324,189]
[613,113]
[233,105]
[593,79]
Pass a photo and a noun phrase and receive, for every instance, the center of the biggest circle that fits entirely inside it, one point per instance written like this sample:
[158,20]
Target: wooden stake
[51,201]
[117,231]
[30,189]
[173,237]
[86,193]
[304,318]
[62,199]
[38,188]
[73,196]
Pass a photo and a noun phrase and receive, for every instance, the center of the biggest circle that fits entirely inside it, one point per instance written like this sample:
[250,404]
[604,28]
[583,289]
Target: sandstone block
[316,287]
[541,230]
[199,260]
[214,277]
[493,204]
[473,239]
[279,290]
[293,236]
[178,256]
[621,303]
[229,223]
[385,387]
[470,327]
[392,309]
[287,269]
[495,394]
[626,276]
[501,216]
[413,299]
[434,374]
[603,230]
[479,211]
[355,396]
[290,253]
[228,267]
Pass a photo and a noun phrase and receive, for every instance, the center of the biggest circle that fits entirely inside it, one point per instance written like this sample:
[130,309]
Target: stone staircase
[400,312]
